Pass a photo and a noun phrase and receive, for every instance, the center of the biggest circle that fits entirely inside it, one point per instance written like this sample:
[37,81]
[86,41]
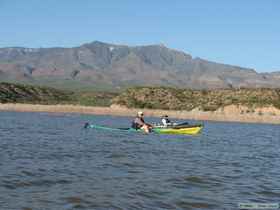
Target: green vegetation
[144,97]
[206,100]
[15,93]
[19,93]
[94,98]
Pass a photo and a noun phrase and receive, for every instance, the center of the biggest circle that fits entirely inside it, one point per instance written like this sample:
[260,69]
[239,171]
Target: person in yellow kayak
[165,121]
[139,123]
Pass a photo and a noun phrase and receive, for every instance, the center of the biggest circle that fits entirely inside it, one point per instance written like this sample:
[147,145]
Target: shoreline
[232,113]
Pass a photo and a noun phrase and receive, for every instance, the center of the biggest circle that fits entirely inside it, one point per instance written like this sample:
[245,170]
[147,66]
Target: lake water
[47,161]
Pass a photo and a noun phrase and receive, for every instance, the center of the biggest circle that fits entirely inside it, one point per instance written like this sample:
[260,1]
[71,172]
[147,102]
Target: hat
[164,116]
[140,113]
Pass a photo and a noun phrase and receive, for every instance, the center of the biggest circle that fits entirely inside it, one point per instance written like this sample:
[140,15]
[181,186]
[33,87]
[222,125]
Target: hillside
[204,100]
[14,93]
[144,97]
[17,93]
[104,66]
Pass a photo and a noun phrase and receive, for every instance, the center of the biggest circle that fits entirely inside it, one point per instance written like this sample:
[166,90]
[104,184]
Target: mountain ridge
[105,65]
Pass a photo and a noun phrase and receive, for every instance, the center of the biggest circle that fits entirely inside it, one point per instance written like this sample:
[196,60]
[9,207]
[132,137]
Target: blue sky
[240,32]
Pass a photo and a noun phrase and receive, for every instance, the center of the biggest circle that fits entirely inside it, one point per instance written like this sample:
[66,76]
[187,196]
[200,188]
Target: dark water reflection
[48,162]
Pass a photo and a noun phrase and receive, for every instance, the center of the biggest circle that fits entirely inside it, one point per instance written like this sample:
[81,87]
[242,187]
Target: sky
[239,32]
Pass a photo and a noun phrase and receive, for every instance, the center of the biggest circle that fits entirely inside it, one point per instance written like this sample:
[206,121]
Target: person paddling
[139,123]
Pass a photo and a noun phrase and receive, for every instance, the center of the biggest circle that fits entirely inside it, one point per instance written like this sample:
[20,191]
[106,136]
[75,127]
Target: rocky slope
[112,66]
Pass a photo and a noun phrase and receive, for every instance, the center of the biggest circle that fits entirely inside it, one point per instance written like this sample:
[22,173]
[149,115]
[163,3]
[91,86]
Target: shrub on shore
[205,100]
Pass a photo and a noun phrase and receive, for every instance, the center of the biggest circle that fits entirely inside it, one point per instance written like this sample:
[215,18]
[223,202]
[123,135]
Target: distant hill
[109,66]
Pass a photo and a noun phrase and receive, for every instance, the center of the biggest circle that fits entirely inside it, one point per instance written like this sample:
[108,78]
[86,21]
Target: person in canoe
[139,123]
[165,121]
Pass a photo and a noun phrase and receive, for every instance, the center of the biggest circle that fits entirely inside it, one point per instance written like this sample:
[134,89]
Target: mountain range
[110,66]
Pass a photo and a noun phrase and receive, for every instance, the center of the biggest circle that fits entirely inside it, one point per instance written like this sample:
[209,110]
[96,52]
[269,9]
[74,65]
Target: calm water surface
[47,161]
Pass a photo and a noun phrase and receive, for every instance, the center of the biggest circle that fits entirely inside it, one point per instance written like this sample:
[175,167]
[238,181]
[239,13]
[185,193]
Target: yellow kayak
[186,129]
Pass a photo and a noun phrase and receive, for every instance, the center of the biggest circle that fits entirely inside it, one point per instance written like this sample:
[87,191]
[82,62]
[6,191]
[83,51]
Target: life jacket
[135,123]
[165,121]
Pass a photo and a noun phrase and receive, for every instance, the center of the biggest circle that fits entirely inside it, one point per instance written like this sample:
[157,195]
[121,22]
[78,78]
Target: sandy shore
[230,113]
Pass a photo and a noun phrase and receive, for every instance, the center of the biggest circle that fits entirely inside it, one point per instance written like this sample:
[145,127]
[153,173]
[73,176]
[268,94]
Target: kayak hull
[184,131]
[177,130]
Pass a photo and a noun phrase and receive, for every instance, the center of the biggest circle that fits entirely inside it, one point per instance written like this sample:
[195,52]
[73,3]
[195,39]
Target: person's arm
[168,122]
[144,123]
[149,125]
